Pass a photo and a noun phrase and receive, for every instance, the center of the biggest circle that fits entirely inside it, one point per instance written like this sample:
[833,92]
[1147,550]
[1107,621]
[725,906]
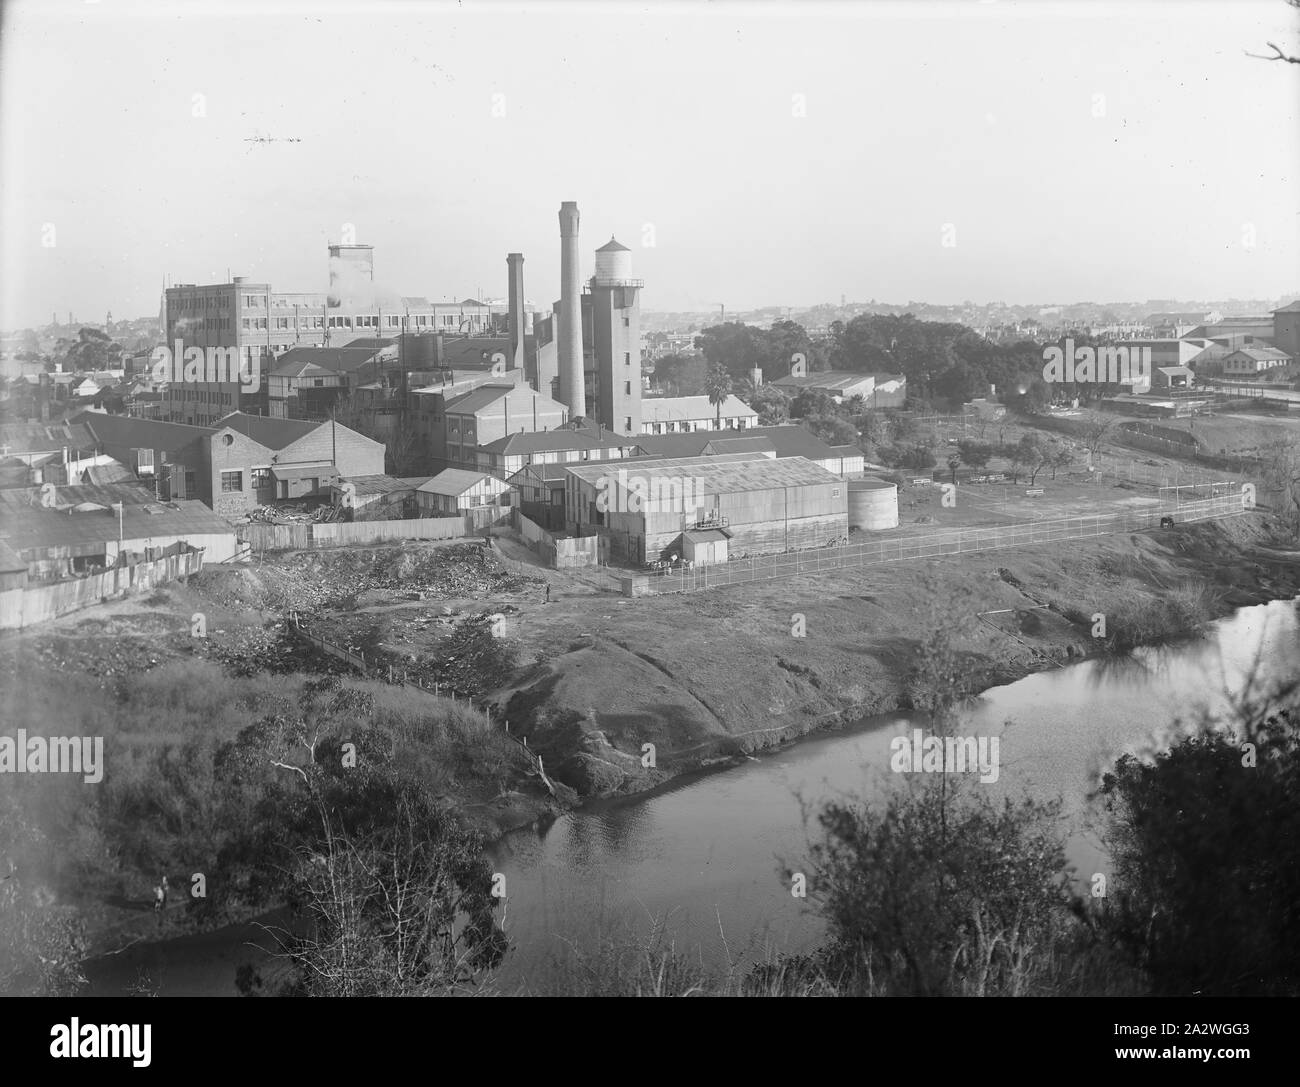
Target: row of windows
[393,322]
[200,305]
[208,324]
[233,482]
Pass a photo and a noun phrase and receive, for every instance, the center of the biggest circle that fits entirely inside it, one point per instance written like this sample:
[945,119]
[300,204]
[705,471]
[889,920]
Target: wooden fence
[38,603]
[300,537]
[558,552]
[931,545]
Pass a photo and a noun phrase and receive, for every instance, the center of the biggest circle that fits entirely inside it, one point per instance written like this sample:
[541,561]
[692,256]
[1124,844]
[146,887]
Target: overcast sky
[1080,151]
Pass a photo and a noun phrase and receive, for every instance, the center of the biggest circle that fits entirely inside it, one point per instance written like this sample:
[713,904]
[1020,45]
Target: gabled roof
[706,535]
[755,444]
[343,360]
[729,473]
[139,433]
[552,473]
[296,368]
[788,440]
[475,350]
[477,399]
[587,435]
[272,433]
[107,473]
[385,484]
[103,494]
[1261,354]
[455,481]
[664,409]
[1290,307]
[91,530]
[45,438]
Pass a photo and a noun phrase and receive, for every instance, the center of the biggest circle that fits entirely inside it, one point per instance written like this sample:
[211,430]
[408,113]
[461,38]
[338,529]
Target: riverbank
[704,679]
[627,695]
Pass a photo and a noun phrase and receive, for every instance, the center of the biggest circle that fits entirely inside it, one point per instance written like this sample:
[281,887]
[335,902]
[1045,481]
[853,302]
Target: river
[703,856]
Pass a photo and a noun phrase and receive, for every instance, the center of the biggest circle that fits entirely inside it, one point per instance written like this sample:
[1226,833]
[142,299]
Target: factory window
[246,323]
[261,478]
[627,322]
[232,481]
[627,424]
[627,358]
[282,322]
[627,388]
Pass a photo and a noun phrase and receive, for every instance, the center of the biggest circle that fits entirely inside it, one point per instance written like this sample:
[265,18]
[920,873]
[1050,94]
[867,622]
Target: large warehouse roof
[729,472]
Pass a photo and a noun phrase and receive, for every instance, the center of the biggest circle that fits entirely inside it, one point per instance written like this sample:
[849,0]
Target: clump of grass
[1178,615]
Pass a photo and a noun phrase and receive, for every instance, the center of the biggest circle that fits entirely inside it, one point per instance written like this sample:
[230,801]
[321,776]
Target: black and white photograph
[603,499]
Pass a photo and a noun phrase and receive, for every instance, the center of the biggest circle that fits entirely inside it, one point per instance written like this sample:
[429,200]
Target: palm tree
[717,383]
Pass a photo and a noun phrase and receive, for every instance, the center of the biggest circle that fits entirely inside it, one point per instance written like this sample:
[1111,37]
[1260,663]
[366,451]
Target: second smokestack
[569,333]
[515,317]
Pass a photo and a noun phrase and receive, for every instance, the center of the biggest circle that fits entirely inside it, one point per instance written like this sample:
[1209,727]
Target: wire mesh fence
[939,544]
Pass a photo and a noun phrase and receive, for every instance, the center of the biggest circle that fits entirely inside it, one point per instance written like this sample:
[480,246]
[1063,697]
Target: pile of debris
[459,571]
[276,648]
[295,514]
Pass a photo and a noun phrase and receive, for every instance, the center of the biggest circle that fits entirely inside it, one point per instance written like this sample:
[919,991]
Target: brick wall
[232,452]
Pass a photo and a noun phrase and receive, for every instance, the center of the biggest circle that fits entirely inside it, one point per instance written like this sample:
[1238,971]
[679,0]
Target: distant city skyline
[744,152]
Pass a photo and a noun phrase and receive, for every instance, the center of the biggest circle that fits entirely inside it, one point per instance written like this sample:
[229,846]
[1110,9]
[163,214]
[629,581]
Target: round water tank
[613,261]
[873,504]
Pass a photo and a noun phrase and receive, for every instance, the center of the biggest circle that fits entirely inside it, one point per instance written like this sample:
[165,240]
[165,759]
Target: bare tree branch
[1278,54]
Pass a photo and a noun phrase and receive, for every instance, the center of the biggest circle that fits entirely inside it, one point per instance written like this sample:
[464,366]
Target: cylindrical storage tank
[613,262]
[873,504]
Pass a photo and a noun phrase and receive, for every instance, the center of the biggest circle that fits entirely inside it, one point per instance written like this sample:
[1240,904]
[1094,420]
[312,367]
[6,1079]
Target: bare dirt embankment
[710,675]
[590,678]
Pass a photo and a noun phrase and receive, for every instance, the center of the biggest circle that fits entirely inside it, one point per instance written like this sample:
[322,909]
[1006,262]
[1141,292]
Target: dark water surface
[703,856]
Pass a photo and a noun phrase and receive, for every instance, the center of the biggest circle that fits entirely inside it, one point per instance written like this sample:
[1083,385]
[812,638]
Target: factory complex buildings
[367,406]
